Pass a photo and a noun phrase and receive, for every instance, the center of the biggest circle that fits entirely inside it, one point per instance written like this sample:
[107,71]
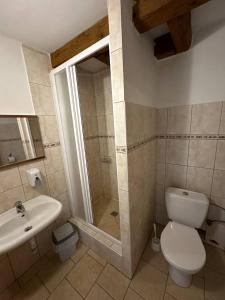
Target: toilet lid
[182,247]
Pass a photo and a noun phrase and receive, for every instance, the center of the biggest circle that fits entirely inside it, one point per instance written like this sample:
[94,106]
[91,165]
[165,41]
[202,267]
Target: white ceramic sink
[15,230]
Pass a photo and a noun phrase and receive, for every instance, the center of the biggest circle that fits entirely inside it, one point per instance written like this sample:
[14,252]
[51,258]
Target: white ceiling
[48,24]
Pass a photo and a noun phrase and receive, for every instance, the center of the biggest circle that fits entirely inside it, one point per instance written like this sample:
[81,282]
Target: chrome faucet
[20,209]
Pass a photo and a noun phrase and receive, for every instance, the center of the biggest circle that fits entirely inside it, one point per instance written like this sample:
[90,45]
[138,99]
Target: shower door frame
[70,68]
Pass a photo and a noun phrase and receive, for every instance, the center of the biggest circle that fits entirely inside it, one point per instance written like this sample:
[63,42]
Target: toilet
[180,242]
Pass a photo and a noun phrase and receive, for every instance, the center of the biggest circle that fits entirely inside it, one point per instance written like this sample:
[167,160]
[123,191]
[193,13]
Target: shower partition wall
[85,115]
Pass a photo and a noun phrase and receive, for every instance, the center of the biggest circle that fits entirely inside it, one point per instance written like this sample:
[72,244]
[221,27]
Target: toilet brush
[155,241]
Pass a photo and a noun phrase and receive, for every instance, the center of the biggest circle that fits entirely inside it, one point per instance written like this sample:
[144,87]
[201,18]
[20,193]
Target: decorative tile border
[99,137]
[51,145]
[126,149]
[192,136]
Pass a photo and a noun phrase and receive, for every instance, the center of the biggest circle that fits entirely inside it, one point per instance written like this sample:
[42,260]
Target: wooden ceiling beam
[148,14]
[181,32]
[81,42]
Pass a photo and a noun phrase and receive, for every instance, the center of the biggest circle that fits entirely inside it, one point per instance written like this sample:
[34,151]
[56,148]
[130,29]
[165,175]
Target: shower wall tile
[194,160]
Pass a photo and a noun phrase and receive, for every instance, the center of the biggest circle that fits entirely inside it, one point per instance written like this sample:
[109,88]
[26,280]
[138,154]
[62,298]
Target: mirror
[20,139]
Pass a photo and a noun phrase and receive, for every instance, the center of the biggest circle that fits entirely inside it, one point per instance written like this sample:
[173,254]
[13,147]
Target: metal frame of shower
[70,68]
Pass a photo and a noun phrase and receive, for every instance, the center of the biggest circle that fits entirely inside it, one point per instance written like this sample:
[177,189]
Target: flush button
[185,193]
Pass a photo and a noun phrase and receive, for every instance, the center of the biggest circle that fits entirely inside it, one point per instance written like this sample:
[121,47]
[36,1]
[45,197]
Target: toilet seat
[183,248]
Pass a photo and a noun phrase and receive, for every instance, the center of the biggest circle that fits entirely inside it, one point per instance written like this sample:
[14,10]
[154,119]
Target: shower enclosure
[83,97]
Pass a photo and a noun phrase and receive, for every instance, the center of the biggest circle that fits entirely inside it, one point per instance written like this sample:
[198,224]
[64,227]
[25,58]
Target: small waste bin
[65,240]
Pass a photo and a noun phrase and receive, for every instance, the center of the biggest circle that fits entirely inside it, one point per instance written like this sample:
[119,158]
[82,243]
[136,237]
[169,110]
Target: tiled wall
[141,139]
[13,182]
[97,118]
[191,152]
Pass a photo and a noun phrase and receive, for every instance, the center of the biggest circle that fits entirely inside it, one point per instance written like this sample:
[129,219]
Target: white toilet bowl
[184,251]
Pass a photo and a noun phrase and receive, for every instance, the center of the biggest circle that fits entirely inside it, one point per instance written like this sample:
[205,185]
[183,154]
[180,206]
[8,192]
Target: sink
[41,211]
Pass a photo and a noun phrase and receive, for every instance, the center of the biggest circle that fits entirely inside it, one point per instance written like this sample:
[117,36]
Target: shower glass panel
[95,98]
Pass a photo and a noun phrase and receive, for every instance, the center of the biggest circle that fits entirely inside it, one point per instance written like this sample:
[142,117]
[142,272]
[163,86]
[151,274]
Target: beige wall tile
[179,119]
[199,180]
[176,176]
[38,66]
[114,13]
[206,118]
[6,274]
[42,99]
[9,198]
[42,189]
[9,179]
[218,186]
[202,153]
[119,111]
[215,259]
[53,161]
[122,171]
[114,282]
[135,123]
[177,151]
[222,123]
[57,183]
[116,60]
[161,150]
[160,173]
[220,156]
[22,258]
[160,211]
[161,123]
[49,129]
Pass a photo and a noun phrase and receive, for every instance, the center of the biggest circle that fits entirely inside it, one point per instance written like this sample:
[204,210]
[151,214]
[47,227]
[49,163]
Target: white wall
[15,96]
[196,76]
[138,59]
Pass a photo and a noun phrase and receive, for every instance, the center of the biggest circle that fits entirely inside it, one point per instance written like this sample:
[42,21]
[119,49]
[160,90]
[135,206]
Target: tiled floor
[88,276]
[105,221]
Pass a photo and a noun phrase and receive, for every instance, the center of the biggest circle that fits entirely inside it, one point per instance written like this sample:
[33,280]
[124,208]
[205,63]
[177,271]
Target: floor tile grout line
[74,288]
[167,278]
[130,287]
[96,280]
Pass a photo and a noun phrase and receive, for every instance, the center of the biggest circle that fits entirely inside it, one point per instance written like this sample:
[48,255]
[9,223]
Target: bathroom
[93,122]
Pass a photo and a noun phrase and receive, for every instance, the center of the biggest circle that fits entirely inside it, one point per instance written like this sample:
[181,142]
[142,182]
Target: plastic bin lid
[62,233]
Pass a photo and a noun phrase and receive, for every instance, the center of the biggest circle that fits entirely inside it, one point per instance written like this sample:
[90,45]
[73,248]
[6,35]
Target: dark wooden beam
[164,46]
[181,32]
[148,14]
[81,42]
